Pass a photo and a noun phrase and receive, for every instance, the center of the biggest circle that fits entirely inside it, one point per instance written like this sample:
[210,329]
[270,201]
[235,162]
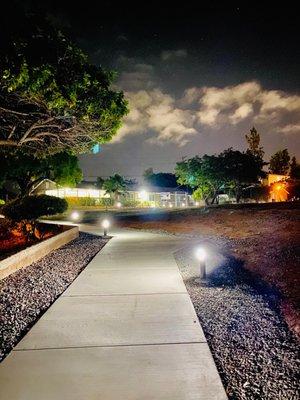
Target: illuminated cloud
[290,129]
[157,112]
[228,105]
[168,119]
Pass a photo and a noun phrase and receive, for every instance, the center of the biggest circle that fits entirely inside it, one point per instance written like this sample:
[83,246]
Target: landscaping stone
[27,294]
[255,352]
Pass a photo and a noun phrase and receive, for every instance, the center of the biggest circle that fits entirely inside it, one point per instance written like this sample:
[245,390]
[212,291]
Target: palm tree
[115,185]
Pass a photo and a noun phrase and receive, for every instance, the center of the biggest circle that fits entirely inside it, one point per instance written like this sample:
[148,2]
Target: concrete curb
[34,253]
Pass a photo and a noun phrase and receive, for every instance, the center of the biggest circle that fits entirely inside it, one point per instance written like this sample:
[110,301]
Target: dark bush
[33,207]
[256,193]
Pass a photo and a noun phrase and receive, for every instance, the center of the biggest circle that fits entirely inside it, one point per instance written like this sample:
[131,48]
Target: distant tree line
[234,172]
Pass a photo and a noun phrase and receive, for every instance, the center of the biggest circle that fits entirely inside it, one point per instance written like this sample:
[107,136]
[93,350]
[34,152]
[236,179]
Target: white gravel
[26,294]
[256,354]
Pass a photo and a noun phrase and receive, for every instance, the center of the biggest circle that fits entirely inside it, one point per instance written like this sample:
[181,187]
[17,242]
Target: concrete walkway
[125,329]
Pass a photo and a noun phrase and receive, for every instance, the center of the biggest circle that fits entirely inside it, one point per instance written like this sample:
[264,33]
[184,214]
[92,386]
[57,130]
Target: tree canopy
[203,174]
[115,185]
[294,169]
[231,169]
[279,162]
[26,171]
[52,99]
[160,179]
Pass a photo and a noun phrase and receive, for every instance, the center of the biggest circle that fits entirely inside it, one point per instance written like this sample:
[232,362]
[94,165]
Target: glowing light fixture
[201,255]
[197,203]
[105,226]
[183,204]
[118,204]
[143,195]
[170,205]
[75,216]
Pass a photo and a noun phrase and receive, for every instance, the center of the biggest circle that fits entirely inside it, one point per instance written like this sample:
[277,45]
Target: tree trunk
[238,193]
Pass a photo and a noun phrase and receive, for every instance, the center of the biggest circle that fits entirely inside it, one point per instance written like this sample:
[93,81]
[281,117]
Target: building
[77,192]
[43,186]
[147,196]
[278,187]
[154,196]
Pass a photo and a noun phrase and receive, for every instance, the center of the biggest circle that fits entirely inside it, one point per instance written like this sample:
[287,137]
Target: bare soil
[265,237]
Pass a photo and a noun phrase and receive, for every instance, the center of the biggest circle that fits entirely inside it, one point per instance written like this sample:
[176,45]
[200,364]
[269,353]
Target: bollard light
[118,204]
[75,216]
[170,205]
[105,226]
[201,255]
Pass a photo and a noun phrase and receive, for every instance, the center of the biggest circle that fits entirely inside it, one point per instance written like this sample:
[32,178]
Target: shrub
[131,203]
[89,201]
[80,201]
[106,202]
[33,207]
[256,193]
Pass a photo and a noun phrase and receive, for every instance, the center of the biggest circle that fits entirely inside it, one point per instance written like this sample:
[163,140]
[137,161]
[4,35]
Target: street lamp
[201,255]
[105,226]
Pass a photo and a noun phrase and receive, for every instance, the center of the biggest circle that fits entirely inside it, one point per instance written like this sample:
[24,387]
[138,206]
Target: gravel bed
[256,354]
[27,294]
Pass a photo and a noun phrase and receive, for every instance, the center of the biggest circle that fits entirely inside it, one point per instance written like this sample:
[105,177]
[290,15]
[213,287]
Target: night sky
[197,77]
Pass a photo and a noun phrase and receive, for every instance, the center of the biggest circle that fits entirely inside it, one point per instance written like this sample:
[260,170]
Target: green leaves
[53,99]
[33,207]
[210,173]
[115,185]
[25,170]
[279,162]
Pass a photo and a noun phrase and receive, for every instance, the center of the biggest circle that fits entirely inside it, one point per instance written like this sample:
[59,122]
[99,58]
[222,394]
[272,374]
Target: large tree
[280,162]
[160,179]
[52,99]
[231,169]
[26,171]
[203,174]
[240,169]
[115,185]
[294,169]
